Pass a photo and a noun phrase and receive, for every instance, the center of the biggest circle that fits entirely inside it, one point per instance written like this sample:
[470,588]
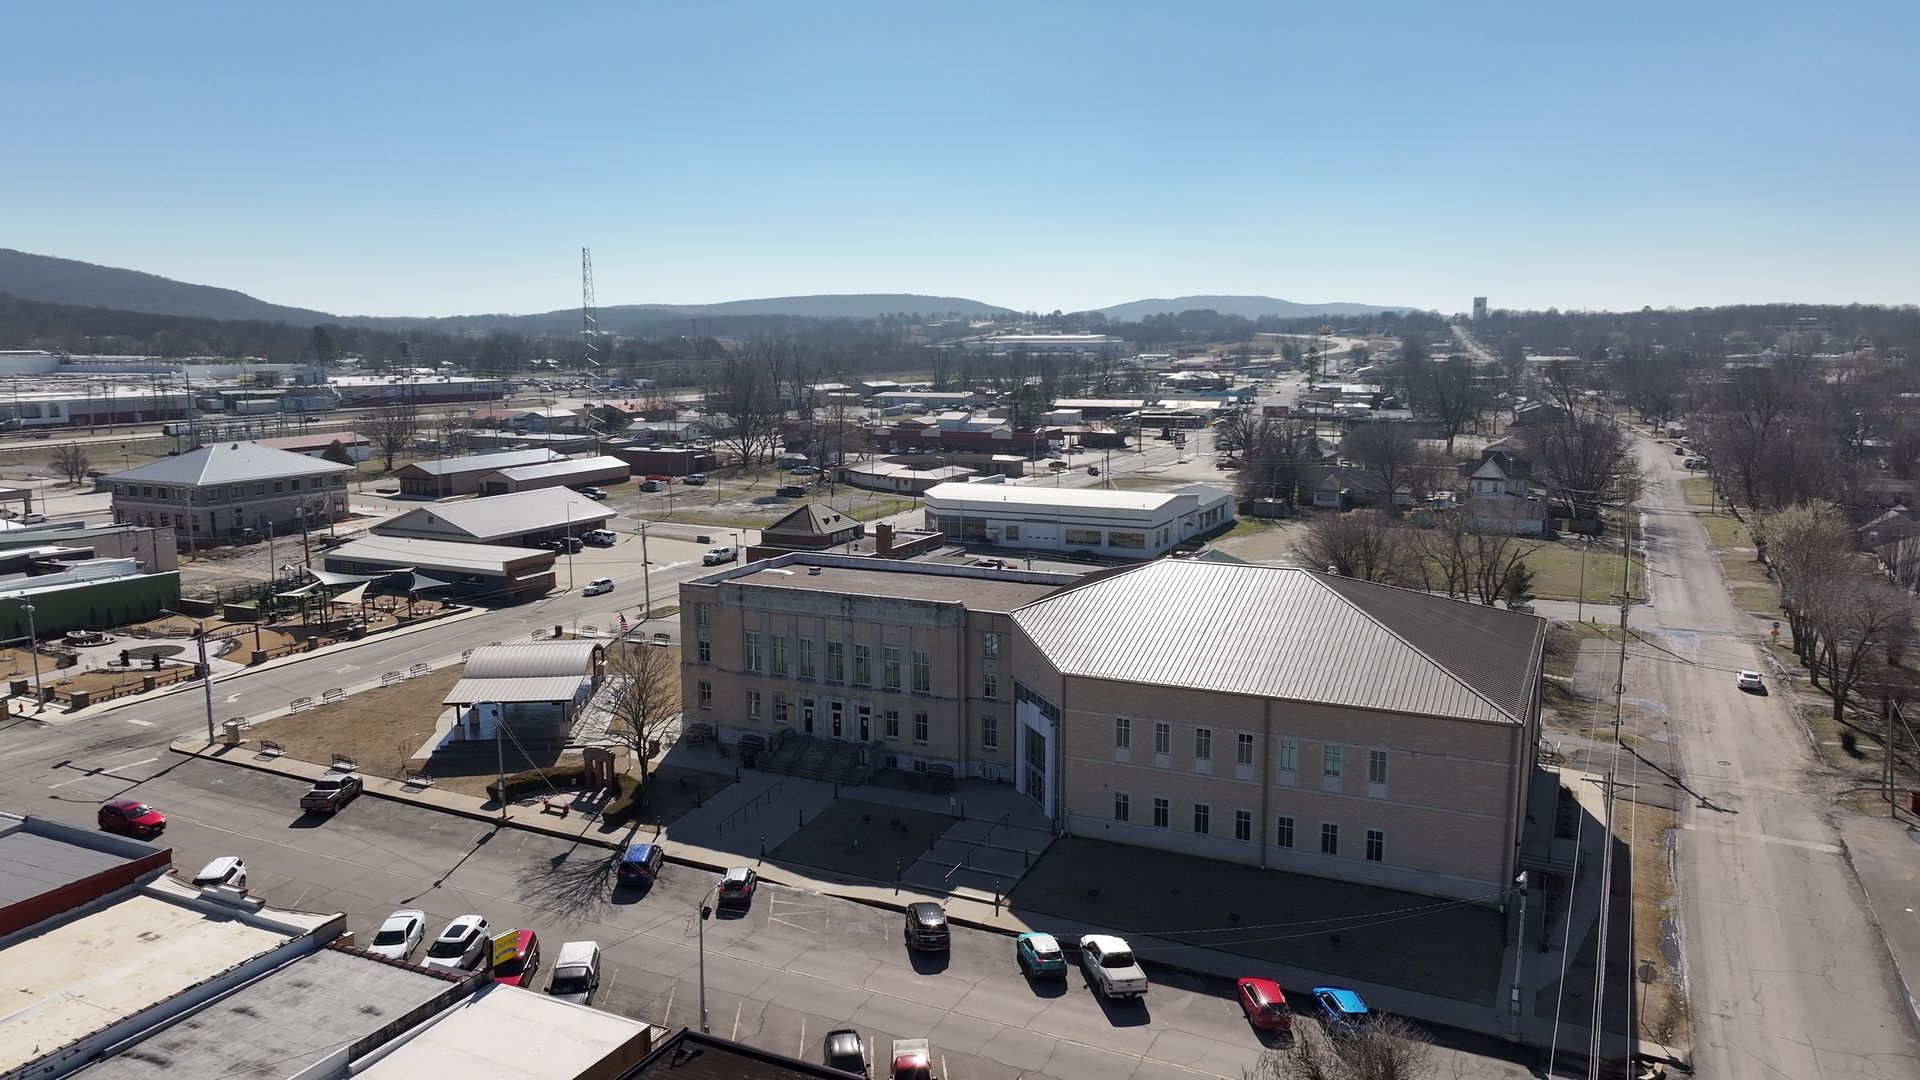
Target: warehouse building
[1119,524]
[481,573]
[445,477]
[522,519]
[573,472]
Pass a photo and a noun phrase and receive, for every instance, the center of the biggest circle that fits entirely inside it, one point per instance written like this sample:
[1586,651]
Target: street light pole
[33,646]
[700,913]
[206,669]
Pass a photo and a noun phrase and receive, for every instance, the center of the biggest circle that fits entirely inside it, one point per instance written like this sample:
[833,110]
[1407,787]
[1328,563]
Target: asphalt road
[1787,975]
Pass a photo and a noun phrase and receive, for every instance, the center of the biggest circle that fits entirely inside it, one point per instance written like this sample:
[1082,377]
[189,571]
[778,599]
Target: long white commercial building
[1121,524]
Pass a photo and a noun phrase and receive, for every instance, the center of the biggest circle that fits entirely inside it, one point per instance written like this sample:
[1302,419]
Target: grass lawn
[1142,483]
[1727,531]
[1564,643]
[1741,570]
[380,728]
[854,837]
[868,508]
[1698,490]
[1757,600]
[1557,574]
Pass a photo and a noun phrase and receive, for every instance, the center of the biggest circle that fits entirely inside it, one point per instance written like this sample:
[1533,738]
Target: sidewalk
[1885,855]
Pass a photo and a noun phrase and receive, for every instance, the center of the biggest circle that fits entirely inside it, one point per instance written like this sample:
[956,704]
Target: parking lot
[779,974]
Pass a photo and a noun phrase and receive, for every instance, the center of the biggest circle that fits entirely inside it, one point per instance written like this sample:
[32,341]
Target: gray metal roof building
[518,519]
[228,463]
[1280,632]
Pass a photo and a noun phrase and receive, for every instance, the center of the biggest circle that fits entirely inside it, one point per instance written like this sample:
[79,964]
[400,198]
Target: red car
[516,957]
[131,817]
[1265,1005]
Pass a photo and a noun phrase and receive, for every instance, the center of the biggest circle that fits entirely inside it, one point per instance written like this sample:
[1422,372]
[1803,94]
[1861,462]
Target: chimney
[883,540]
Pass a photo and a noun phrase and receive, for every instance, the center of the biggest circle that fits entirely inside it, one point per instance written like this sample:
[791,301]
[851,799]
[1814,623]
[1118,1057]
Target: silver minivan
[576,974]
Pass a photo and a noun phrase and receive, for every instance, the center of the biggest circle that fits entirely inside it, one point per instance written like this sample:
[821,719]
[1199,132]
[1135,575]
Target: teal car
[1039,954]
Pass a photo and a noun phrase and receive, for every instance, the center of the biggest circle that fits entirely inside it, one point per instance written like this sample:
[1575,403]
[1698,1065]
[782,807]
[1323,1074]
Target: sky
[425,158]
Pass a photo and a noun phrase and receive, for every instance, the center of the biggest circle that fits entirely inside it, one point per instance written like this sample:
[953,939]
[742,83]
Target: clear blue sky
[426,158]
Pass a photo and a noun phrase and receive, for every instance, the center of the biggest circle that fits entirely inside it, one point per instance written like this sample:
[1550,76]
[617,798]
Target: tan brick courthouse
[1264,715]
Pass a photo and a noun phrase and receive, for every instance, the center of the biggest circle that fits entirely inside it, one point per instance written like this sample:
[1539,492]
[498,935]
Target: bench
[417,778]
[549,806]
[269,748]
[343,763]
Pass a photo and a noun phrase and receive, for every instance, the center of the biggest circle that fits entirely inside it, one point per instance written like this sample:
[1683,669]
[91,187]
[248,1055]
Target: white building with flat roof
[1119,524]
[506,1033]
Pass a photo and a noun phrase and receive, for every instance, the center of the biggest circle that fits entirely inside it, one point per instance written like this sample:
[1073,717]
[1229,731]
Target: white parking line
[105,772]
[736,1020]
[142,723]
[802,1052]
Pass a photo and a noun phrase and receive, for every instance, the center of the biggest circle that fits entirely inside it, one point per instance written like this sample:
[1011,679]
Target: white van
[227,870]
[576,974]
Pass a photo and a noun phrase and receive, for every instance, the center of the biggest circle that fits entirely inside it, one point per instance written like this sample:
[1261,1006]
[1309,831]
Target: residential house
[1499,496]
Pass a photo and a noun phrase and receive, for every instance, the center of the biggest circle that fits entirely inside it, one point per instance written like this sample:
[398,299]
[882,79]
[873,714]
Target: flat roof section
[506,1033]
[31,865]
[981,590]
[432,554]
[83,976]
[286,1021]
[968,496]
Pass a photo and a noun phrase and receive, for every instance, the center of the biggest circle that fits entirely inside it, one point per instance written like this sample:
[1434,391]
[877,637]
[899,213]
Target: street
[1786,973]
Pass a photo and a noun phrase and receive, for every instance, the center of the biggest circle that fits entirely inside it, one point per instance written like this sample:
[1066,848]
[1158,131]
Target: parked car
[1111,970]
[576,972]
[516,957]
[1341,1010]
[566,545]
[640,864]
[912,1060]
[926,927]
[591,493]
[35,518]
[462,945]
[600,537]
[804,470]
[844,1051]
[653,485]
[131,817]
[1039,954]
[1751,682]
[737,885]
[227,871]
[331,792]
[716,556]
[598,586]
[790,491]
[696,479]
[1093,470]
[399,935]
[1264,1004]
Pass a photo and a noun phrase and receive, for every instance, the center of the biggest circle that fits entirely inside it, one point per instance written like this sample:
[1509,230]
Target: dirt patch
[863,838]
[1430,945]
[1257,540]
[1663,1013]
[380,728]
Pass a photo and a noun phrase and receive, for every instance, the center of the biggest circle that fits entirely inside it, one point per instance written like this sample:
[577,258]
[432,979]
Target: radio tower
[595,366]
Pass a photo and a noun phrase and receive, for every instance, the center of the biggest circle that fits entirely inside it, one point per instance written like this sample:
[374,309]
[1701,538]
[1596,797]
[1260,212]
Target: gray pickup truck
[331,792]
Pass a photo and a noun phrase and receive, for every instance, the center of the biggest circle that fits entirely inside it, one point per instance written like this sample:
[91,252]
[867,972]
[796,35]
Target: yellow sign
[505,947]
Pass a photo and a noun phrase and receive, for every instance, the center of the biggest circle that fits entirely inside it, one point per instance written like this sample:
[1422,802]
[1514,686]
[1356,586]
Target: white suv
[716,556]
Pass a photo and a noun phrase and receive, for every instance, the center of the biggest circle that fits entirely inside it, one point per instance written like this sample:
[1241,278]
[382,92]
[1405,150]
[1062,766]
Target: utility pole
[1596,1032]
[646,582]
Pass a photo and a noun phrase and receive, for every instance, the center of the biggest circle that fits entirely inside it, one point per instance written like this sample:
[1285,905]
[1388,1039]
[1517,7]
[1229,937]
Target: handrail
[964,858]
[758,801]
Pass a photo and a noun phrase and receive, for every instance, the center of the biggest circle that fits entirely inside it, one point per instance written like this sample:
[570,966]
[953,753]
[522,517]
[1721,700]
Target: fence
[966,859]
[147,681]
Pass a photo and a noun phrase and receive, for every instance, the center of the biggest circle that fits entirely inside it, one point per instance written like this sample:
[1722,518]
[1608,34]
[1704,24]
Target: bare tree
[73,462]
[391,427]
[1369,545]
[1385,1048]
[1452,396]
[1586,460]
[1391,452]
[1859,617]
[646,698]
[1807,546]
[743,394]
[1273,451]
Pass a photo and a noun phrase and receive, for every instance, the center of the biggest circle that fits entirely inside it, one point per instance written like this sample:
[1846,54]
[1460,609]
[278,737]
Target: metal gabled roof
[1286,633]
[531,658]
[229,463]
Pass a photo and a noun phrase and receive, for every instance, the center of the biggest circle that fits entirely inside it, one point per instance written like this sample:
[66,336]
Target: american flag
[623,624]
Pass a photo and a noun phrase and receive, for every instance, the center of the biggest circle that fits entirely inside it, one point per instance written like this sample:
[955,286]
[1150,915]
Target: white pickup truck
[1111,969]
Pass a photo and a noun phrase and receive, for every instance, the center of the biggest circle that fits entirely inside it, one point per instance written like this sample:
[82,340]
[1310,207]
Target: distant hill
[68,281]
[1247,307]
